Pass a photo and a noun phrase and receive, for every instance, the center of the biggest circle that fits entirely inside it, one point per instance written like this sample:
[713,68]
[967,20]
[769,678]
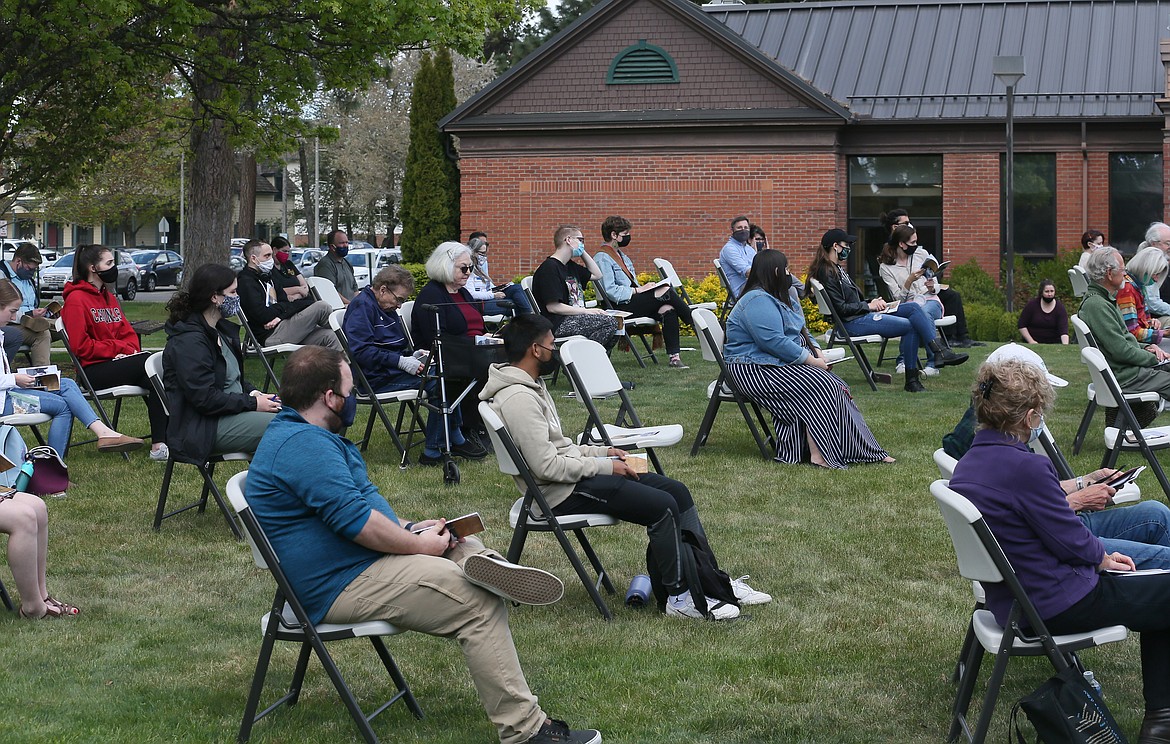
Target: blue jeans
[62,405]
[434,428]
[1141,531]
[908,321]
[934,311]
[514,293]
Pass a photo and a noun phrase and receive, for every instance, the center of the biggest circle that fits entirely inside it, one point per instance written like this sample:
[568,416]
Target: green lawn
[857,647]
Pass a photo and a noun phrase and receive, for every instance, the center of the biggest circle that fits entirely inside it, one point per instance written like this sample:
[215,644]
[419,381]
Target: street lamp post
[1009,70]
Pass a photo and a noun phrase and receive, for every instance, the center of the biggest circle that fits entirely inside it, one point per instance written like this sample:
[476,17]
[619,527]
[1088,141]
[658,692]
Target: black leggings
[645,304]
[131,370]
[641,501]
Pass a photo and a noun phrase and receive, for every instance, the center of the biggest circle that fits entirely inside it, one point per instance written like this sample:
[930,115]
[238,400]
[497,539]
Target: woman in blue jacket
[775,362]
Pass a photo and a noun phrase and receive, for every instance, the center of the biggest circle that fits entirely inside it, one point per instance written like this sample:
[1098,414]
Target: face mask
[266,266]
[844,253]
[579,250]
[281,256]
[348,411]
[624,241]
[909,249]
[25,273]
[109,276]
[341,250]
[548,366]
[740,236]
[1036,430]
[230,306]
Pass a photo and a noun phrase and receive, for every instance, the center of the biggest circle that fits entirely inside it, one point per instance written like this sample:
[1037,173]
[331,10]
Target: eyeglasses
[400,300]
[465,268]
[546,348]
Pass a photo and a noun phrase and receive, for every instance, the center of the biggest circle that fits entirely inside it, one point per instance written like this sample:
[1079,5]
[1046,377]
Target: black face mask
[909,249]
[623,241]
[548,366]
[741,236]
[109,276]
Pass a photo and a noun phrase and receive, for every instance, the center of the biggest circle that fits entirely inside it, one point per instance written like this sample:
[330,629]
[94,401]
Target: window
[1135,197]
[643,64]
[1034,211]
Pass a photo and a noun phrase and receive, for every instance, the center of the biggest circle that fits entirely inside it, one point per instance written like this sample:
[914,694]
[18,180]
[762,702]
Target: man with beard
[351,559]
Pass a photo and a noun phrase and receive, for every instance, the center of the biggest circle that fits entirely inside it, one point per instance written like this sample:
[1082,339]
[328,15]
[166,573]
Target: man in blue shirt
[350,558]
[21,270]
[736,256]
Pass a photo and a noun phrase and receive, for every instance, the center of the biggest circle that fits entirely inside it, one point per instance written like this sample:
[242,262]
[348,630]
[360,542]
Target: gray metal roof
[916,60]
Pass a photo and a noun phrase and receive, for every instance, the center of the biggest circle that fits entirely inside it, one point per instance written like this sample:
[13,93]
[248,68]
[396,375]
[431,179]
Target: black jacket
[422,322]
[844,296]
[194,373]
[251,285]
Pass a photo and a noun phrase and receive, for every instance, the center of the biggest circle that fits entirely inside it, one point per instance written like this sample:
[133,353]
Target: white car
[362,261]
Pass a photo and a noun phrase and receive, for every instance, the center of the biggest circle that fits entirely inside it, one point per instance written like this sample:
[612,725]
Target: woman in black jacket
[212,407]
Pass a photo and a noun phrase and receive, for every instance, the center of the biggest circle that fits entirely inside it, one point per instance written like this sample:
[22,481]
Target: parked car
[362,261]
[389,256]
[308,259]
[53,278]
[8,247]
[159,268]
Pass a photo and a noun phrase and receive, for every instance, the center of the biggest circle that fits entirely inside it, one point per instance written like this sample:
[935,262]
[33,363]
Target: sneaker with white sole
[161,454]
[558,732]
[747,595]
[517,583]
[900,369]
[681,605]
[931,371]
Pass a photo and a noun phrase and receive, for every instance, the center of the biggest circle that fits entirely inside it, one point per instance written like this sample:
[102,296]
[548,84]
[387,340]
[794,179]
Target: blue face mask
[1036,431]
[579,250]
[348,410]
[230,306]
[341,250]
[25,273]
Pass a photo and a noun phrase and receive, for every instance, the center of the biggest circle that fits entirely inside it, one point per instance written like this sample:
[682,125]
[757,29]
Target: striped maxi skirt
[805,399]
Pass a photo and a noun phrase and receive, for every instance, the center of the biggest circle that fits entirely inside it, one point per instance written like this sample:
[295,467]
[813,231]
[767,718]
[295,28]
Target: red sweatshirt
[97,330]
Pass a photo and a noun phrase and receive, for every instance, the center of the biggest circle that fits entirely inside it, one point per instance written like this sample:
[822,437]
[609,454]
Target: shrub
[419,272]
[976,285]
[989,323]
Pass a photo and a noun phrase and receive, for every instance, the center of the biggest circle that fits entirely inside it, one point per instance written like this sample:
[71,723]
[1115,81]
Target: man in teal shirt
[350,558]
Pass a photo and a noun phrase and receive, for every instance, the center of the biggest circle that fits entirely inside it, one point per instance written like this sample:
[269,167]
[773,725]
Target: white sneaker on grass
[681,605]
[931,371]
[900,369]
[747,595]
[161,454]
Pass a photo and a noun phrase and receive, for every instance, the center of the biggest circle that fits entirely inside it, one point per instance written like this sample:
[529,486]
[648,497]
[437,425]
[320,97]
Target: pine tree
[430,188]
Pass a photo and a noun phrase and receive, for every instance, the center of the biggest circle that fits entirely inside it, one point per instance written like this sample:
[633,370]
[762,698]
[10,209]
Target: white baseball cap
[1013,351]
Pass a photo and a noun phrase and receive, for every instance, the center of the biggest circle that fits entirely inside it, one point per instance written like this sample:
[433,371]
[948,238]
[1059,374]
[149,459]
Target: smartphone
[468,524]
[1122,478]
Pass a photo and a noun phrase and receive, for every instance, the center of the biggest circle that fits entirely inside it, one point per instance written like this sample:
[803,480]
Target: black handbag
[1067,710]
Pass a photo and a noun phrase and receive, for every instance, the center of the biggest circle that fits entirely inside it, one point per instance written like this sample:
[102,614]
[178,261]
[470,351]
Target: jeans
[1141,531]
[62,405]
[934,311]
[515,294]
[908,321]
[435,442]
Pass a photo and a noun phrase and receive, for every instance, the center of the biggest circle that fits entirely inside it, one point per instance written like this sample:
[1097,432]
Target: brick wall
[971,208]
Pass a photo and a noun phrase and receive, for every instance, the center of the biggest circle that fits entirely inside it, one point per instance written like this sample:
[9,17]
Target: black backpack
[704,577]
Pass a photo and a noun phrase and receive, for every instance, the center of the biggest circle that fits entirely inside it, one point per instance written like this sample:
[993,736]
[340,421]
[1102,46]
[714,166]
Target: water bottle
[22,480]
[638,594]
[1092,680]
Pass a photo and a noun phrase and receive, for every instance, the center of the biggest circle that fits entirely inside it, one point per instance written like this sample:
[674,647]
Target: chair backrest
[588,365]
[1079,280]
[326,291]
[1045,444]
[252,529]
[710,334]
[498,434]
[945,463]
[666,270]
[336,318]
[823,303]
[154,372]
[406,311]
[976,560]
[1105,385]
[1081,332]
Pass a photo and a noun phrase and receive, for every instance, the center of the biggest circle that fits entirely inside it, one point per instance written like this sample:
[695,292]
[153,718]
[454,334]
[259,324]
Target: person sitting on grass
[24,518]
[1044,319]
[595,478]
[351,558]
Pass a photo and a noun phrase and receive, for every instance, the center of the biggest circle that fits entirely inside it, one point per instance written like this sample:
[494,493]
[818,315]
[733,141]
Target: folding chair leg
[223,507]
[971,663]
[587,548]
[159,512]
[1156,467]
[634,351]
[1083,430]
[993,685]
[767,450]
[399,681]
[7,600]
[649,348]
[586,579]
[355,711]
[708,421]
[882,351]
[250,716]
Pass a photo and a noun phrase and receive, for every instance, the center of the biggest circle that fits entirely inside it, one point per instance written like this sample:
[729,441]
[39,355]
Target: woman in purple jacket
[1059,562]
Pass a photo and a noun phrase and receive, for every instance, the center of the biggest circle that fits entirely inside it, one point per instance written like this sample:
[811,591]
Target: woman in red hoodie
[102,338]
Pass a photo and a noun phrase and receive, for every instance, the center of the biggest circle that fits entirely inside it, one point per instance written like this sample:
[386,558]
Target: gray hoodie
[531,417]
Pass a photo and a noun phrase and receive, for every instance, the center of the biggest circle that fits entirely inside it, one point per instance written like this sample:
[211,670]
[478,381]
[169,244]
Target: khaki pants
[431,595]
[15,335]
[309,327]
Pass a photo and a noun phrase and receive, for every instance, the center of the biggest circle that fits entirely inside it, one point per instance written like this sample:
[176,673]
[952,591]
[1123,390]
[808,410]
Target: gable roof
[558,84]
[932,60]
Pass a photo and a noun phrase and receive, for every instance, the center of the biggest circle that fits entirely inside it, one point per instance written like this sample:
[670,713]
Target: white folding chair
[266,354]
[326,291]
[840,335]
[594,378]
[1079,280]
[729,300]
[666,270]
[639,326]
[154,371]
[982,560]
[531,513]
[288,621]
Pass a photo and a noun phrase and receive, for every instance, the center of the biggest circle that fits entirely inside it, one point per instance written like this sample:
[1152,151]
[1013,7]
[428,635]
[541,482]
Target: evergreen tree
[430,188]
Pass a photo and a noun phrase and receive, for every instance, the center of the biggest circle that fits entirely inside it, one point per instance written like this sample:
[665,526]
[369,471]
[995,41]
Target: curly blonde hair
[1004,392]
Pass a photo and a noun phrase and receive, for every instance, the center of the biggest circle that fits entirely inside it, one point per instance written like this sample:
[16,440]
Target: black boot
[944,357]
[912,383]
[1155,727]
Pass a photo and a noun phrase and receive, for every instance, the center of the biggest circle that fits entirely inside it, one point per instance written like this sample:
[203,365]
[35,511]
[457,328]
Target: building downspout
[1084,178]
[1163,104]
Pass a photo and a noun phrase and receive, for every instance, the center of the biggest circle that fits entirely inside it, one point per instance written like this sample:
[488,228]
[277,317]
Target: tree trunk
[246,226]
[209,224]
[307,194]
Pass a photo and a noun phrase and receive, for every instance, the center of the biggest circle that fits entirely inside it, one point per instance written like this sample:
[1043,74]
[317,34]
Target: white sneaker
[931,371]
[161,454]
[681,605]
[748,596]
[900,369]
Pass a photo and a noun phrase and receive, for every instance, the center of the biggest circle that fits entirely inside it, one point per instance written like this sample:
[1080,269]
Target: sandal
[48,614]
[58,608]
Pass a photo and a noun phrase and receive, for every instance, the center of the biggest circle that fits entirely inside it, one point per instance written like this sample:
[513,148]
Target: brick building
[813,115]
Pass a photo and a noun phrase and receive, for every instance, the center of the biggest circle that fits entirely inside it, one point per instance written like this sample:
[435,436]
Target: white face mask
[266,266]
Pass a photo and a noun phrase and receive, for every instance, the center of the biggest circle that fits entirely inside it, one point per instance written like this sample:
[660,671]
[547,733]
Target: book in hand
[1127,477]
[46,378]
[933,264]
[465,526]
[638,463]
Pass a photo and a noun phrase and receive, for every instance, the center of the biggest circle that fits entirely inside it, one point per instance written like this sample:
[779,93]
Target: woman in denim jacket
[775,362]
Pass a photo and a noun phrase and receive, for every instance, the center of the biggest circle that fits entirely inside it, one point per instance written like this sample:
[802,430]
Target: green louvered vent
[642,64]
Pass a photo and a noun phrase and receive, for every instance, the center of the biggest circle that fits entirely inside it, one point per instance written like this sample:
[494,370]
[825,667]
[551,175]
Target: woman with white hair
[1148,268]
[1143,269]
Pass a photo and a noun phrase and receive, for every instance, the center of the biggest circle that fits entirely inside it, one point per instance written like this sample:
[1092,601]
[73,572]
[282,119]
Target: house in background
[812,115]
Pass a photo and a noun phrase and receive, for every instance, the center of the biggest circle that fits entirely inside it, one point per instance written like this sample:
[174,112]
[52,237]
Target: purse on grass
[50,474]
[1067,710]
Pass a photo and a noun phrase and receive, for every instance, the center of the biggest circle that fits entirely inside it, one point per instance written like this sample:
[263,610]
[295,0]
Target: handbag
[50,475]
[1067,710]
[13,448]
